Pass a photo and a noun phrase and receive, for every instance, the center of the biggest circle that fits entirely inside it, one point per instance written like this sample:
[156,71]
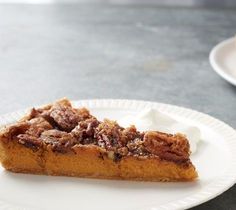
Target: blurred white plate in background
[223,59]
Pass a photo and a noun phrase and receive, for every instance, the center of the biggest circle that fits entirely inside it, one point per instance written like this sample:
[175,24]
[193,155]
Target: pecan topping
[29,141]
[31,136]
[65,117]
[59,140]
[134,141]
[38,125]
[85,131]
[136,147]
[14,130]
[129,134]
[40,112]
[167,146]
[108,134]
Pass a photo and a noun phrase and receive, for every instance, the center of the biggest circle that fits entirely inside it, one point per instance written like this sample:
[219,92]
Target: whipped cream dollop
[154,120]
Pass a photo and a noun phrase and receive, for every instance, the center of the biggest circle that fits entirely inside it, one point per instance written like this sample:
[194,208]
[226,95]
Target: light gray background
[85,51]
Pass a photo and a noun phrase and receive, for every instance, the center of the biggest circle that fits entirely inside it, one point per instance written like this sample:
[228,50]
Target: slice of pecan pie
[61,140]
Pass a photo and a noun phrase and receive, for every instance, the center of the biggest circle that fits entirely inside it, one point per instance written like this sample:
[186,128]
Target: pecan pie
[61,140]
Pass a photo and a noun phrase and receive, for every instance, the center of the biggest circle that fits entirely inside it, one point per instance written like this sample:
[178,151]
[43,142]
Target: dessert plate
[223,59]
[215,161]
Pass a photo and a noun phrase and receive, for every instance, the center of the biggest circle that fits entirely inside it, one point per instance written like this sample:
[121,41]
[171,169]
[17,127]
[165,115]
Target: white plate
[223,59]
[215,161]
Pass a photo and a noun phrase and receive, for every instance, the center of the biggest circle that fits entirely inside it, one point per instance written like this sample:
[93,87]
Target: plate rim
[214,63]
[228,178]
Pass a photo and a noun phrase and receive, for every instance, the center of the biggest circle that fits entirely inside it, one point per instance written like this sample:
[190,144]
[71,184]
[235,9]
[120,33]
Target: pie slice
[61,140]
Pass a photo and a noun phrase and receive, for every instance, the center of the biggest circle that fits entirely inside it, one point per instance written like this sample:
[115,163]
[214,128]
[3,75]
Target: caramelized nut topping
[108,134]
[59,140]
[31,136]
[85,131]
[65,117]
[166,146]
[14,130]
[30,141]
[38,125]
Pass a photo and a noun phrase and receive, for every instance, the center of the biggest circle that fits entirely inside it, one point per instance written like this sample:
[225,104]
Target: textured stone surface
[101,51]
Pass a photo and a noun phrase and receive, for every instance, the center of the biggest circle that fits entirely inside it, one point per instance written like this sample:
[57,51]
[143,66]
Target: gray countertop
[104,51]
